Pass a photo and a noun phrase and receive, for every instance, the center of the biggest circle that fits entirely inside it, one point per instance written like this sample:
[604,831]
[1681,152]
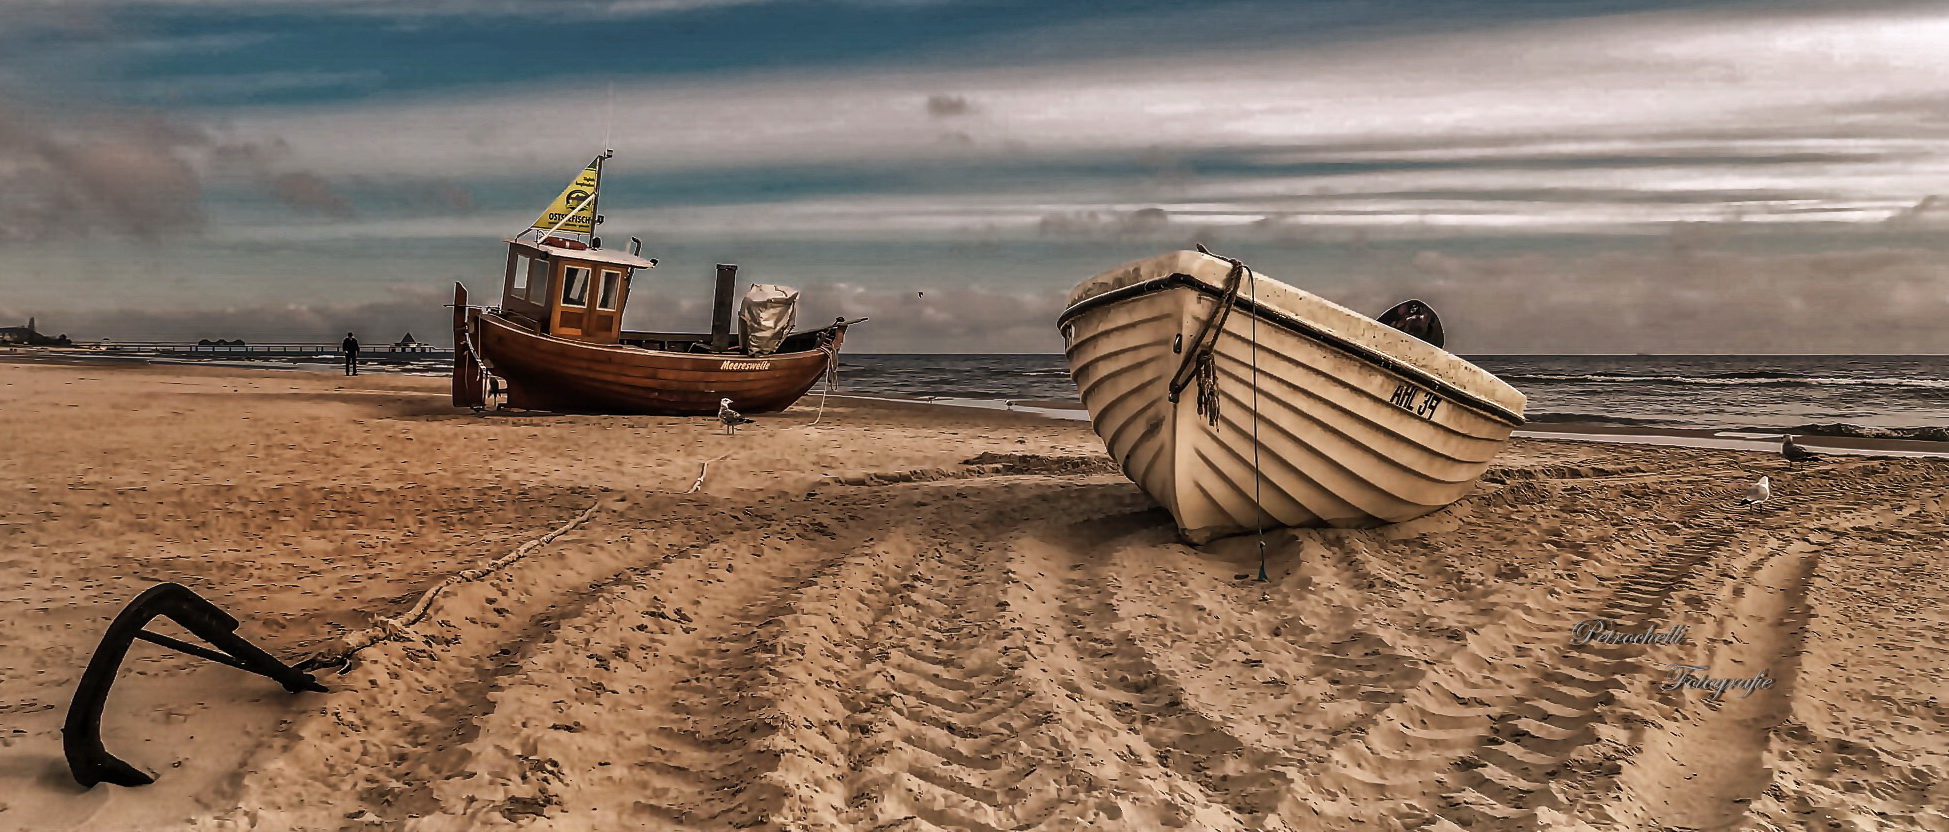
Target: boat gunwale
[1298,327]
[636,351]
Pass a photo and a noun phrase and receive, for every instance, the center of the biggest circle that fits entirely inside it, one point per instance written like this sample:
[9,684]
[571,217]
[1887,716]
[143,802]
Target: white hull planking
[1332,448]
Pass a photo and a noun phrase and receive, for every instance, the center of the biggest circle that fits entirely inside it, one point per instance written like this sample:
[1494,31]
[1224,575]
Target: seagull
[729,417]
[1759,493]
[1794,453]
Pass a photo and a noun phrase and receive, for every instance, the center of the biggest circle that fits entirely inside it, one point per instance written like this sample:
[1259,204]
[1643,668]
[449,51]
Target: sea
[1833,395]
[1881,396]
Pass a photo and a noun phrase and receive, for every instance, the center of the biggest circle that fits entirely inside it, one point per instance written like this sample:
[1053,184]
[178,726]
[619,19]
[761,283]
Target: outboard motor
[1415,318]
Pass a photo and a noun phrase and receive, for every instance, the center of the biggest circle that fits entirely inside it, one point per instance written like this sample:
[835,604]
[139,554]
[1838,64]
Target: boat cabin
[564,288]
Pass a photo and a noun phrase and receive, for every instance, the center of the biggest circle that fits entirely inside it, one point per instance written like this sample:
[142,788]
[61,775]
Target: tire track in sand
[755,704]
[960,727]
[1710,771]
[1717,762]
[678,698]
[1498,730]
[1562,737]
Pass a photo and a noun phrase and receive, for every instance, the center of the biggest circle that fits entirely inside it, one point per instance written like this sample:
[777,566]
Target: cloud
[1140,222]
[955,318]
[198,87]
[947,106]
[129,174]
[1631,77]
[1700,292]
[309,192]
[1931,211]
[143,174]
[1621,124]
[939,316]
[382,8]
[1681,300]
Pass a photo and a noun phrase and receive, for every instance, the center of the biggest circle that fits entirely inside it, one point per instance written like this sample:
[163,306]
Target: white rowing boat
[1241,403]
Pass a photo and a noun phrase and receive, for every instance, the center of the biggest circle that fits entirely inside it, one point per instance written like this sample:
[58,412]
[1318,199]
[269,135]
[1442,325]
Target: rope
[832,380]
[487,386]
[390,629]
[703,469]
[1258,501]
[1208,388]
[1204,369]
[1198,364]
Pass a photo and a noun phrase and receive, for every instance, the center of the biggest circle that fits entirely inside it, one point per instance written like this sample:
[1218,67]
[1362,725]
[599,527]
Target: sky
[1554,176]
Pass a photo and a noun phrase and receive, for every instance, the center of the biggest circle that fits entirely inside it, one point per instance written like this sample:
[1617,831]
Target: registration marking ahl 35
[1416,400]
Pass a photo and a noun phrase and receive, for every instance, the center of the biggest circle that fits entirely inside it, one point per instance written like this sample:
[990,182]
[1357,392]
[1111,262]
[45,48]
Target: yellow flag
[581,193]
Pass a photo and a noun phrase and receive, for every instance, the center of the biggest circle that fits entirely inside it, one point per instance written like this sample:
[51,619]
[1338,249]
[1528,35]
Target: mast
[595,206]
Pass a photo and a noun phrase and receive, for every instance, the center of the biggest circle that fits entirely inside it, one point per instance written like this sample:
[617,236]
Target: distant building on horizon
[30,336]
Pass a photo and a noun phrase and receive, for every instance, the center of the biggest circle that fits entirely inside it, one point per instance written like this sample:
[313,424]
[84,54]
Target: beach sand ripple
[920,618]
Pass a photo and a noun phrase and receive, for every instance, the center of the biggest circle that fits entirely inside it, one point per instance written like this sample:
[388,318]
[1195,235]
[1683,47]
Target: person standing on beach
[351,347]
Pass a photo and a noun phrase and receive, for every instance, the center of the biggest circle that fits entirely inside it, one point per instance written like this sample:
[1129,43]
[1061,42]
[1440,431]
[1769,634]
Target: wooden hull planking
[546,373]
[1341,440]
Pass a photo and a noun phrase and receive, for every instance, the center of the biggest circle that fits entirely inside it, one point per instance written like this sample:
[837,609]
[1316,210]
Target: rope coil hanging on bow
[1198,364]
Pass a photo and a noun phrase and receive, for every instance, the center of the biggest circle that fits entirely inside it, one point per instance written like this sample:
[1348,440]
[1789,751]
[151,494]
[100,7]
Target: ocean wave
[1925,434]
[1599,419]
[1729,379]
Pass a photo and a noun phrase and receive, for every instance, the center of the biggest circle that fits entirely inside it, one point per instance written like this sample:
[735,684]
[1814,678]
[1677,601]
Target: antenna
[609,120]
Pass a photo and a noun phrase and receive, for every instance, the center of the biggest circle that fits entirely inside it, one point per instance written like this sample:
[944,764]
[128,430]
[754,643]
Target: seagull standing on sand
[729,417]
[1794,453]
[1759,493]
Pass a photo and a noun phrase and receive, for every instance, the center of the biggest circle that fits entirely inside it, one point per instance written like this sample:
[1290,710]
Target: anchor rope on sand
[397,627]
[703,469]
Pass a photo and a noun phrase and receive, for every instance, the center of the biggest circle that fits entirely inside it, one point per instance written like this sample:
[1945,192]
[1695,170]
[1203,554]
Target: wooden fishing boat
[556,340]
[1242,403]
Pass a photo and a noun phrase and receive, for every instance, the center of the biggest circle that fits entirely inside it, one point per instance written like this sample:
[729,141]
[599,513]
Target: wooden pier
[249,351]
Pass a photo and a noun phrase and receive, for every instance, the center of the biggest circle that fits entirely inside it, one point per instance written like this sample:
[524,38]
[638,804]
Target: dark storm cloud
[145,174]
[129,174]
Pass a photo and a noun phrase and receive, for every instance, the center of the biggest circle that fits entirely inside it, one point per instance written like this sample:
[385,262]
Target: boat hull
[1312,428]
[547,373]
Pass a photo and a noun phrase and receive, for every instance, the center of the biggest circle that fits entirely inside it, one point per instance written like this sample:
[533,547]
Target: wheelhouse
[563,288]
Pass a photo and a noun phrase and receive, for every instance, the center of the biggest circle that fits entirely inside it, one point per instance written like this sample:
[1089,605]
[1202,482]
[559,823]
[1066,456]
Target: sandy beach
[904,617]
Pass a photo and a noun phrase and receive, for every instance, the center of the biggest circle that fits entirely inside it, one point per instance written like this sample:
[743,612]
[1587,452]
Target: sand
[907,617]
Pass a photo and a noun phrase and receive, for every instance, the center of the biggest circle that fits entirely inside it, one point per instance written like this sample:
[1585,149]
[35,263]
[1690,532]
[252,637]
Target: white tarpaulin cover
[767,316]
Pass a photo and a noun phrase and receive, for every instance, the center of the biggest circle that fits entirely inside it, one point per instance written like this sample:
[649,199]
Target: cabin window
[612,282]
[537,282]
[522,263]
[575,286]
